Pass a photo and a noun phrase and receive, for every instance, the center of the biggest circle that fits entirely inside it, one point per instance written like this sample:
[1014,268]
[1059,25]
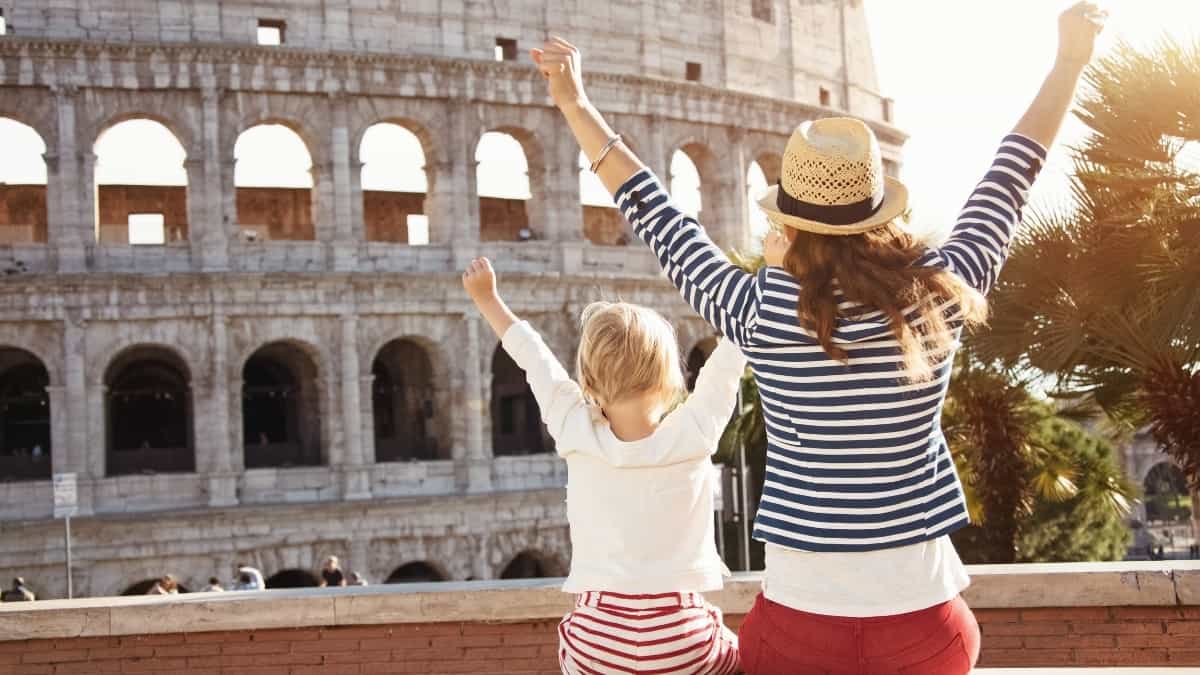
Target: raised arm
[562,405]
[979,242]
[720,292]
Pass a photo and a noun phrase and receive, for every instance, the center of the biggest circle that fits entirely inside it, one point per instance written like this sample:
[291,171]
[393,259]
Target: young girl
[639,493]
[851,332]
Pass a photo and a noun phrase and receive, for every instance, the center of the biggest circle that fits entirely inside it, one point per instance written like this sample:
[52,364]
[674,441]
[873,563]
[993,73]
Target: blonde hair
[627,350]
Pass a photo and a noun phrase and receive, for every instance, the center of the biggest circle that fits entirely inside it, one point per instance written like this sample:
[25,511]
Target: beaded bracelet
[604,151]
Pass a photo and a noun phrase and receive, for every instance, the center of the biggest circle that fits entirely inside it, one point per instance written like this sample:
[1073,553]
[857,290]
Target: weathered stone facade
[324,296]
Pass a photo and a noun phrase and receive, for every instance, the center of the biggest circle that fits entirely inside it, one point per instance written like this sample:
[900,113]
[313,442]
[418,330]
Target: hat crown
[833,161]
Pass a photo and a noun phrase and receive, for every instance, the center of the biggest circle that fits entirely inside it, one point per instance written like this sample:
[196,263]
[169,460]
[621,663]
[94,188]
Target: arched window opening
[272,177]
[697,358]
[149,404]
[756,187]
[292,578]
[1166,494]
[602,222]
[529,565]
[280,408]
[141,185]
[502,180]
[24,417]
[685,183]
[414,572]
[394,185]
[22,184]
[404,402]
[517,427]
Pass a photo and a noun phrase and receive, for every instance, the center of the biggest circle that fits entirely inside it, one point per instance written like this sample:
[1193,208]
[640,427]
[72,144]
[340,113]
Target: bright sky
[963,71]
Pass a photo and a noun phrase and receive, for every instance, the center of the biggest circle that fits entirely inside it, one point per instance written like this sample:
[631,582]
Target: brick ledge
[1158,584]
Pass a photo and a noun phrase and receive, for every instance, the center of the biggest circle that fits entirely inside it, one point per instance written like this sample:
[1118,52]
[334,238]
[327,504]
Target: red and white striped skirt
[659,633]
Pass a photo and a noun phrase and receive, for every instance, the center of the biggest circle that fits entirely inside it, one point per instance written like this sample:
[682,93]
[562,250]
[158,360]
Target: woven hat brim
[895,201]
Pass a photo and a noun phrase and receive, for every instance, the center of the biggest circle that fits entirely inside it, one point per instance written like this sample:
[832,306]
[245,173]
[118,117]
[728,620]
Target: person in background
[214,585]
[164,586]
[357,579]
[18,593]
[331,573]
[248,578]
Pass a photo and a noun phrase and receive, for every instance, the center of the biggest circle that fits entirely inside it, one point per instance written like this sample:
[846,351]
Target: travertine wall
[320,277]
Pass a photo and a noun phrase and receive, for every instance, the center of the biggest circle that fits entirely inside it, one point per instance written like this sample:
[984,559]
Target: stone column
[735,164]
[452,202]
[478,460]
[97,443]
[65,189]
[229,215]
[356,479]
[366,404]
[345,235]
[86,228]
[75,452]
[208,223]
[222,479]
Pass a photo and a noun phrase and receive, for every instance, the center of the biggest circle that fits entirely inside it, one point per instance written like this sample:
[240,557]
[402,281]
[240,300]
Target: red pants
[940,640]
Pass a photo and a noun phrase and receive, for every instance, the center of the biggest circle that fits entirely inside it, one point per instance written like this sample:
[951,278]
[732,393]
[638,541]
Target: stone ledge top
[1159,584]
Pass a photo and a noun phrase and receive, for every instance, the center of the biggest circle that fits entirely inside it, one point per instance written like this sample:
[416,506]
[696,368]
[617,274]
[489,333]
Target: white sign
[66,500]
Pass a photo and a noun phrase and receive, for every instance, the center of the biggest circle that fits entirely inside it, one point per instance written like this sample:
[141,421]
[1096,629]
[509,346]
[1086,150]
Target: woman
[850,331]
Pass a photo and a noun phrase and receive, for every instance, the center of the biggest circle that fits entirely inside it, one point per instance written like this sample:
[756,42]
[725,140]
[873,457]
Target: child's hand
[480,281]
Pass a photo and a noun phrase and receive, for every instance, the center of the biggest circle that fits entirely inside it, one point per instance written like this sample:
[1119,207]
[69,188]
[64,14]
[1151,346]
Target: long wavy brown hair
[875,271]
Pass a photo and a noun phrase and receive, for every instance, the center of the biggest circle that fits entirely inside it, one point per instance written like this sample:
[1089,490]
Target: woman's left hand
[775,247]
[560,63]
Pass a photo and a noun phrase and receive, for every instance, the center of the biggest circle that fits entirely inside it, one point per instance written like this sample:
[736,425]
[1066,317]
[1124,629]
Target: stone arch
[138,206]
[1165,487]
[24,217]
[397,213]
[510,218]
[282,405]
[36,112]
[292,578]
[419,571]
[697,356]
[531,564]
[149,413]
[25,447]
[283,209]
[517,427]
[408,406]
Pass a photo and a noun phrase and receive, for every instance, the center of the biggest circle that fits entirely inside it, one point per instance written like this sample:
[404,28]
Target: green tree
[1106,296]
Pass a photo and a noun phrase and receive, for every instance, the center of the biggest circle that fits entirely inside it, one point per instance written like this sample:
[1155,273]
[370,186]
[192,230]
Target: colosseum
[243,369]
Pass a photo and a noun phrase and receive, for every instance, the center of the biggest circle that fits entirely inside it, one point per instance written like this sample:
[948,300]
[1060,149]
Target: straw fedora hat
[832,181]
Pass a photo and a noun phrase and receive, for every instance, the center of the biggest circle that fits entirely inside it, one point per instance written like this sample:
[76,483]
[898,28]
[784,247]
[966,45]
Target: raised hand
[479,280]
[560,63]
[1078,28]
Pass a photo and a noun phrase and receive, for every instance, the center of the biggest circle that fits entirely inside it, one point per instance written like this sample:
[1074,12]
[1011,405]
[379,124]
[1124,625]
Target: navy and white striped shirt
[856,458]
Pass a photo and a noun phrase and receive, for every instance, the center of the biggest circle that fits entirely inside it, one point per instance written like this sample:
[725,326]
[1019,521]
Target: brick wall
[276,213]
[1090,636]
[22,214]
[1082,636]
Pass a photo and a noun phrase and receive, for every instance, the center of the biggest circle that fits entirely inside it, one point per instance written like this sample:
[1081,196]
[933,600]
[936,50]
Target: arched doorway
[1166,494]
[141,184]
[517,427]
[503,184]
[394,185]
[24,417]
[273,183]
[22,184]
[404,402]
[149,412]
[280,408]
[293,578]
[529,565]
[414,572]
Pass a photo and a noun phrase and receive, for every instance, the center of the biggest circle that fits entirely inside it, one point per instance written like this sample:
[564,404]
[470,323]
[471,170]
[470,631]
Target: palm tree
[1106,297]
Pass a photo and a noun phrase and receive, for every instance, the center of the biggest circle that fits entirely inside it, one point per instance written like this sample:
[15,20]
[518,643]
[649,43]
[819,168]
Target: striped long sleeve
[980,240]
[726,296]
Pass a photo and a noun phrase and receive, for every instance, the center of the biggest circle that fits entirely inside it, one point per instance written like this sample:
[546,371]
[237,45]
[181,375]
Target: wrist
[577,106]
